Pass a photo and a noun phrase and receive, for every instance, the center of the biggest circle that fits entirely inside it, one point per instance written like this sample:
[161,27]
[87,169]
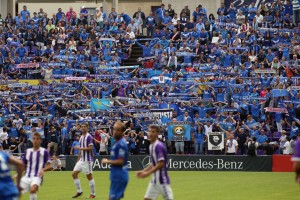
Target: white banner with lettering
[158,113]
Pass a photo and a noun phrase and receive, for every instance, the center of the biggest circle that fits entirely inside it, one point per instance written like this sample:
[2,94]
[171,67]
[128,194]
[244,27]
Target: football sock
[77,184]
[33,196]
[92,186]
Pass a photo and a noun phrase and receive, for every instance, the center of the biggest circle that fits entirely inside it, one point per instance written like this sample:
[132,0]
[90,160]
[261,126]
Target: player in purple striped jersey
[36,161]
[296,160]
[85,162]
[160,183]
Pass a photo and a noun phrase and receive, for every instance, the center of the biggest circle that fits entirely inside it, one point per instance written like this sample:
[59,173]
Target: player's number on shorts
[3,165]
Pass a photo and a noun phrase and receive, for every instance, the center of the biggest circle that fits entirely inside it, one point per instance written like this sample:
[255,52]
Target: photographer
[252,146]
[54,140]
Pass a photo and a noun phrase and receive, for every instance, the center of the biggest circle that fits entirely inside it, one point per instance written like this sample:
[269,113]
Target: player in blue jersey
[119,163]
[160,183]
[7,187]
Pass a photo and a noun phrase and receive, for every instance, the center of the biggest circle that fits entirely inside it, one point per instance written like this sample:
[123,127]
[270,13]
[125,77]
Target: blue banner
[72,123]
[179,131]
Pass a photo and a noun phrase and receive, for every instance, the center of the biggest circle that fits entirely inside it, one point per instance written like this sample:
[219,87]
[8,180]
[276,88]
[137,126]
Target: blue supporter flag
[279,93]
[99,104]
[179,132]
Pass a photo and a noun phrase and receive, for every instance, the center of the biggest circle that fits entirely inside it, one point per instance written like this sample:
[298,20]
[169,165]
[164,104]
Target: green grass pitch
[185,185]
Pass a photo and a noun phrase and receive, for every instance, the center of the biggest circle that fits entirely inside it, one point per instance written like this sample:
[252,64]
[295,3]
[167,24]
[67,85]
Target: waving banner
[16,85]
[99,104]
[294,88]
[239,3]
[27,65]
[279,110]
[71,78]
[265,71]
[215,141]
[139,115]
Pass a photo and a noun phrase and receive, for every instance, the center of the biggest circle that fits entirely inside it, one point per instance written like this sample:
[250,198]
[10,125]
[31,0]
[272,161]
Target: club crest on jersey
[179,130]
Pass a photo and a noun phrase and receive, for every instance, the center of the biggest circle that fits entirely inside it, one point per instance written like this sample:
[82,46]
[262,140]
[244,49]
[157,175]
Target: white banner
[215,141]
[16,85]
[294,88]
[265,71]
[34,112]
[70,78]
[138,115]
[279,110]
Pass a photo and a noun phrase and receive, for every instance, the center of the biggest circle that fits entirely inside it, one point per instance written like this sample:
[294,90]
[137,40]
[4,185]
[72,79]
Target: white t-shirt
[3,136]
[40,131]
[208,129]
[232,144]
[48,73]
[259,18]
[103,144]
[18,123]
[55,164]
[287,148]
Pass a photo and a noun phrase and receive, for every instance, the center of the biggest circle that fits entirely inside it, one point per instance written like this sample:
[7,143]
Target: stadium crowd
[237,73]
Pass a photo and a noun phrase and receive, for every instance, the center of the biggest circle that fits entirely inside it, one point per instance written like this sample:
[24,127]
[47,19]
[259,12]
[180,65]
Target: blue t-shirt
[64,133]
[2,119]
[262,139]
[8,188]
[199,137]
[294,131]
[75,151]
[13,132]
[51,109]
[255,110]
[119,150]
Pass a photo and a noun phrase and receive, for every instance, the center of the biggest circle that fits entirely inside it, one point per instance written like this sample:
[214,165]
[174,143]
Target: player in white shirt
[37,161]
[231,146]
[160,182]
[85,162]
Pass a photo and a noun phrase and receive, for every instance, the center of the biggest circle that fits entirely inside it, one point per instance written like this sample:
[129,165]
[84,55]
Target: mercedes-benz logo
[146,161]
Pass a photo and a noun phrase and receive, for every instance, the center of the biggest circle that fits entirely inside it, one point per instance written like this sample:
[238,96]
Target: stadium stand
[237,72]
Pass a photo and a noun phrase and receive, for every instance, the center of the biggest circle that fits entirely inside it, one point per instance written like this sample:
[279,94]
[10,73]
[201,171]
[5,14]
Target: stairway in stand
[136,53]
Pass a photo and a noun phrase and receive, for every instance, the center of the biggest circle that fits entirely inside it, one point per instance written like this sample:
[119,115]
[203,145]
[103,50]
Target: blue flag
[99,104]
[179,132]
[279,93]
